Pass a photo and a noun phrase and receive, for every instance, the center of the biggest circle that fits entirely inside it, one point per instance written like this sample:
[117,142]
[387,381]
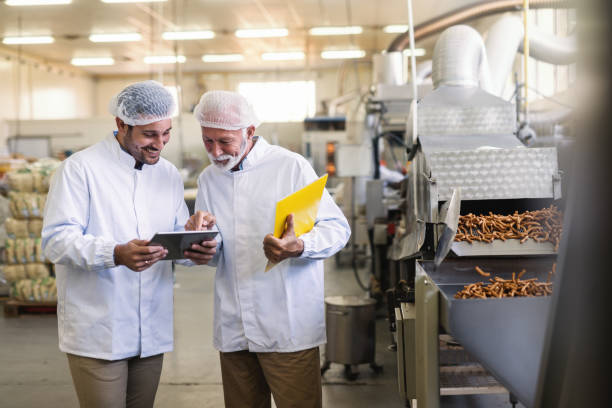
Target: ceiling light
[188,35]
[418,52]
[164,59]
[42,39]
[343,54]
[262,33]
[335,30]
[282,56]
[397,28]
[115,37]
[35,2]
[222,58]
[132,1]
[95,61]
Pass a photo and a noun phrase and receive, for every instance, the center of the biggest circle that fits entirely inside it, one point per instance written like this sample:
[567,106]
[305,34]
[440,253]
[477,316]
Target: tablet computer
[177,242]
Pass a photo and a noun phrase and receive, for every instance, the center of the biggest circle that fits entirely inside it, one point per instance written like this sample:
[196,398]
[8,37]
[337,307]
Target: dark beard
[136,153]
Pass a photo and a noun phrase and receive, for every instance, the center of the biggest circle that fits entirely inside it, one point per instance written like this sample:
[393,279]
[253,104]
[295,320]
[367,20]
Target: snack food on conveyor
[543,225]
[481,272]
[499,288]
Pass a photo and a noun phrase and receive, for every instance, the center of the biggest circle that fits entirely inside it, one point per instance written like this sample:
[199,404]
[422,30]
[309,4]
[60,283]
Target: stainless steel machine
[467,159]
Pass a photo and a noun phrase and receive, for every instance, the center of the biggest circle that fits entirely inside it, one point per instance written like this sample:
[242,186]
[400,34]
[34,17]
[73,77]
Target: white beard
[232,161]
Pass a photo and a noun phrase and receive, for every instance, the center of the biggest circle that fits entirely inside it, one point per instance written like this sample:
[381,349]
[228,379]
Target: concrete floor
[34,373]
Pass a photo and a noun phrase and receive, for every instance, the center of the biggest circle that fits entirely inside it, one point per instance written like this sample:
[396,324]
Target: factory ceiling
[71,25]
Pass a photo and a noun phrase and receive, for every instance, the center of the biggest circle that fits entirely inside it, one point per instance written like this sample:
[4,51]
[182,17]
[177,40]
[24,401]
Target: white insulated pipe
[460,59]
[505,38]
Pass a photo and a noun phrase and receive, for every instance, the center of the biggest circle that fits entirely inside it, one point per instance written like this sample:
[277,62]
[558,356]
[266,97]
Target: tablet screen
[177,242]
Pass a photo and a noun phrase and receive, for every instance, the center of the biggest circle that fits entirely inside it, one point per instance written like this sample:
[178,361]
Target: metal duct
[461,102]
[549,48]
[460,59]
[505,37]
[503,40]
[389,68]
[467,111]
[467,13]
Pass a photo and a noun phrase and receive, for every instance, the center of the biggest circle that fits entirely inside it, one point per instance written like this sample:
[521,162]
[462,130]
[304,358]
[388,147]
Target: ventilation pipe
[505,38]
[552,49]
[471,12]
[389,68]
[460,59]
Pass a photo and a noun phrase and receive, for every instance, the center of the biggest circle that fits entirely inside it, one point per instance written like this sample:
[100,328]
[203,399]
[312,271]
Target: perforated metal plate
[494,173]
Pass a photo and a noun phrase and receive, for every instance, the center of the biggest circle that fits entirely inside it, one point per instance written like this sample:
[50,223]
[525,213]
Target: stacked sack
[35,290]
[25,265]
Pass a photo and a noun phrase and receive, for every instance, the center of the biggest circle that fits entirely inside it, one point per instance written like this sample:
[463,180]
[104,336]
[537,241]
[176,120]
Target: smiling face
[144,142]
[227,148]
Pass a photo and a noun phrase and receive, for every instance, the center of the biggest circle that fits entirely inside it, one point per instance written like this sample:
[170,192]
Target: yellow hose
[526,56]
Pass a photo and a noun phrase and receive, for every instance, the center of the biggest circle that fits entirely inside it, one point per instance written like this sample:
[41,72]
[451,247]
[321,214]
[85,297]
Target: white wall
[31,89]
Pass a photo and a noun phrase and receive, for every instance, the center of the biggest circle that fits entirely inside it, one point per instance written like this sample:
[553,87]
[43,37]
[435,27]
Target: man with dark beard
[115,293]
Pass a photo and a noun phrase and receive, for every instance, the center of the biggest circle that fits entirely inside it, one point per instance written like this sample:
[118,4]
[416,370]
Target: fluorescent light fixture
[396,28]
[164,59]
[41,39]
[343,54]
[262,33]
[94,61]
[119,37]
[335,30]
[222,57]
[282,56]
[132,1]
[418,52]
[188,35]
[36,2]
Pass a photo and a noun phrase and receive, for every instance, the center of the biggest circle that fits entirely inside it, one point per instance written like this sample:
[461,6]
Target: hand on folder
[287,246]
[297,211]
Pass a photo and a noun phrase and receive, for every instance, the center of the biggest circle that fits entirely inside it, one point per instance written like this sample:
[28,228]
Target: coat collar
[121,155]
[256,154]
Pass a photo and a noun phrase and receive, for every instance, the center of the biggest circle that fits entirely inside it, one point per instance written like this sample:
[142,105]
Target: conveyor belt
[493,330]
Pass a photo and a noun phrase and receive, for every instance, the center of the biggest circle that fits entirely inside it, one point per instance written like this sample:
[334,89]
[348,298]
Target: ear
[121,126]
[250,132]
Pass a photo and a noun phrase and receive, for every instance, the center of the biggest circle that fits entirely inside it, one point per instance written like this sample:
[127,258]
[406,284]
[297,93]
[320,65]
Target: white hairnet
[142,103]
[225,110]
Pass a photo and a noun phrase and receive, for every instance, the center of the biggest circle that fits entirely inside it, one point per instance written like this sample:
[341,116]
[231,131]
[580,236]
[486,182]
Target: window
[174,92]
[547,79]
[53,103]
[289,101]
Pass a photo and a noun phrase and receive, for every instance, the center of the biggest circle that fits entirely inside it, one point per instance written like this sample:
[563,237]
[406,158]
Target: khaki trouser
[294,379]
[130,383]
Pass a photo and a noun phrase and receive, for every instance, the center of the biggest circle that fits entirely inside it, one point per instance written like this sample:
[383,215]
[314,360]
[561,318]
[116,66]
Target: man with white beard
[268,325]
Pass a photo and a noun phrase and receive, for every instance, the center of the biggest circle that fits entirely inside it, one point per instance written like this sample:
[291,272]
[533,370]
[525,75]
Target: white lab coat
[281,310]
[97,200]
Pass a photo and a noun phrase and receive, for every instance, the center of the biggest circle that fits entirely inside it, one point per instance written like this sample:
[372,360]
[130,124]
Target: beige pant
[130,383]
[294,379]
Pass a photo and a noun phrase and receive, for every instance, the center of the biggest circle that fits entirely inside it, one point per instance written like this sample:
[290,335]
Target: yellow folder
[304,205]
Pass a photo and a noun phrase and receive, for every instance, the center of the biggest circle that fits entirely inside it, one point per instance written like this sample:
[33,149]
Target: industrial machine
[466,159]
[468,154]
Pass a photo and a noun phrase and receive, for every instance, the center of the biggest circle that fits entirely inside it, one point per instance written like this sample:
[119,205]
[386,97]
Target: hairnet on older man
[225,110]
[143,103]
